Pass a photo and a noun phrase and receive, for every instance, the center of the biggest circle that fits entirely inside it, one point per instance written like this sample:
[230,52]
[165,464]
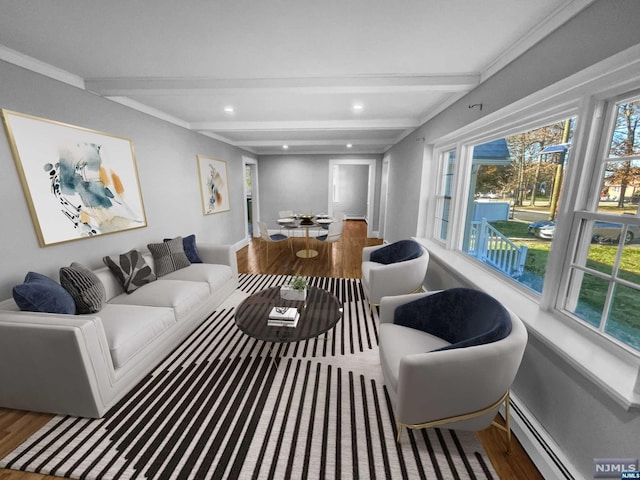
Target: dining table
[306,222]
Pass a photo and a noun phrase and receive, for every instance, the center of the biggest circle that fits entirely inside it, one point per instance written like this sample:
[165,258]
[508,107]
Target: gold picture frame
[214,186]
[78,183]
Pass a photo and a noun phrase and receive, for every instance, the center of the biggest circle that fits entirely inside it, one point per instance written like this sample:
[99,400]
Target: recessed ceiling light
[285,147]
[229,109]
[357,107]
[349,145]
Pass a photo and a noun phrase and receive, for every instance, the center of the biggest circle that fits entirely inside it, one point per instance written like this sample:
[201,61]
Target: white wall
[353,183]
[167,170]
[300,183]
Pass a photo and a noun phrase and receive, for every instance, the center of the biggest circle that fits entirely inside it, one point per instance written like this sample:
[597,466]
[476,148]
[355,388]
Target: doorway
[346,182]
[251,203]
[384,190]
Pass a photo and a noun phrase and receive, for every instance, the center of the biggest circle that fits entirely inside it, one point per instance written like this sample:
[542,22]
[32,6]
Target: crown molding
[25,61]
[552,22]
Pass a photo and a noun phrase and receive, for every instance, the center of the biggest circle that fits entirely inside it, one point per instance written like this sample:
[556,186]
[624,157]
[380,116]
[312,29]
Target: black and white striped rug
[219,407]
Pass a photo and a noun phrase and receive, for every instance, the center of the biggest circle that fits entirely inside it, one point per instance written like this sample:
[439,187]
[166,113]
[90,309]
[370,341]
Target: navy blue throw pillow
[39,293]
[462,316]
[190,249]
[395,252]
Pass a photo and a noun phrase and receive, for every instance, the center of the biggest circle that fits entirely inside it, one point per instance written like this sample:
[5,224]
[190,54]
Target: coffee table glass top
[318,314]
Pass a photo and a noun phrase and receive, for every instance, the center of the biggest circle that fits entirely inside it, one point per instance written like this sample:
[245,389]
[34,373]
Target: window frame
[613,368]
[443,159]
[603,123]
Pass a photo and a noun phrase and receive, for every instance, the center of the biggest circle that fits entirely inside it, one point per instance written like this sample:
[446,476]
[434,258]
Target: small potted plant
[296,289]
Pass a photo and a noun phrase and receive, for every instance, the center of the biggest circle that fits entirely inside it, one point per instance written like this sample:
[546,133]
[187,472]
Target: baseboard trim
[544,452]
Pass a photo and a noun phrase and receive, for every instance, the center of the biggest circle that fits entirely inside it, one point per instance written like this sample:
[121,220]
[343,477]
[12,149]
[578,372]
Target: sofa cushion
[130,269]
[213,274]
[168,256]
[182,296]
[84,286]
[190,248]
[39,293]
[395,252]
[462,316]
[130,328]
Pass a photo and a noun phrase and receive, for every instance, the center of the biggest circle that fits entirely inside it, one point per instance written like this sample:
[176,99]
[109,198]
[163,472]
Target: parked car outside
[603,232]
[544,229]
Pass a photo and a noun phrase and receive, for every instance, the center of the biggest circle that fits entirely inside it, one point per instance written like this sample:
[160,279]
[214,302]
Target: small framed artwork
[214,186]
[78,183]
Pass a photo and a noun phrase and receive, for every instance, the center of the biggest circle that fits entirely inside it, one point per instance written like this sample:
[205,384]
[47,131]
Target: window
[444,193]
[603,288]
[513,198]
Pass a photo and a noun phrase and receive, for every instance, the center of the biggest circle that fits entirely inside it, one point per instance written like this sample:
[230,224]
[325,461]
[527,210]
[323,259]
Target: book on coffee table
[284,323]
[283,317]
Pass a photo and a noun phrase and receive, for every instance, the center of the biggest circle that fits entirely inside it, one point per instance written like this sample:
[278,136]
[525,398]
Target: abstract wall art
[78,183]
[214,186]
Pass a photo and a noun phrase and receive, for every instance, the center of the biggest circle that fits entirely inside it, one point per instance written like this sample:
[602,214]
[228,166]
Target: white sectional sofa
[82,365]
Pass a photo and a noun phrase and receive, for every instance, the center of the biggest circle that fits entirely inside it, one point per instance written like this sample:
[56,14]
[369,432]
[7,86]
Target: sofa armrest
[54,363]
[219,254]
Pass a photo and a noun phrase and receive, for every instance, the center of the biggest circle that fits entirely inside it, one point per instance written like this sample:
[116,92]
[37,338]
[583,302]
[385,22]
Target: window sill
[612,369]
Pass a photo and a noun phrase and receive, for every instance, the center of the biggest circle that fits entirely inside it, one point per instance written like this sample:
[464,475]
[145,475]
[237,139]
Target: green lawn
[624,320]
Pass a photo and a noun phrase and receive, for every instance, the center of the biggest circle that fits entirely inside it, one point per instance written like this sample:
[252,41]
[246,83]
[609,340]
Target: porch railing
[493,248]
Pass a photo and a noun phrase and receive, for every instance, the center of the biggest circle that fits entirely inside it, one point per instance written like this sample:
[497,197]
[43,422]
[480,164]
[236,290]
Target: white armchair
[394,278]
[449,358]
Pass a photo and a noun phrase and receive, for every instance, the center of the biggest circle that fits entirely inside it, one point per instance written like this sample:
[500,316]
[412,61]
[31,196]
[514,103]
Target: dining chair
[285,213]
[287,228]
[271,238]
[338,216]
[333,235]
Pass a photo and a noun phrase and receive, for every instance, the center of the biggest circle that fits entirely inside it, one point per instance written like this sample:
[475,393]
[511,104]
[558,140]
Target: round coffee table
[318,314]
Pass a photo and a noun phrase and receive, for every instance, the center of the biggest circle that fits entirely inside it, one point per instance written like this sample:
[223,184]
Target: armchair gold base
[436,423]
[420,289]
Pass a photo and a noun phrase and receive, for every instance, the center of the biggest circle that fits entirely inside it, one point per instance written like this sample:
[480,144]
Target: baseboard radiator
[541,448]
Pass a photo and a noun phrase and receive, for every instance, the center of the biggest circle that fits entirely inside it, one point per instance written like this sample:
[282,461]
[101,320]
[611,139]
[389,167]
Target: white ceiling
[292,69]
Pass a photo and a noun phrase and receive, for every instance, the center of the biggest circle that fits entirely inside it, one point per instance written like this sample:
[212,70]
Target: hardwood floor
[342,261]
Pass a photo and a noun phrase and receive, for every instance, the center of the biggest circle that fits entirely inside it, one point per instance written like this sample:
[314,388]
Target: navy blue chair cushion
[39,293]
[276,237]
[395,252]
[190,249]
[462,316]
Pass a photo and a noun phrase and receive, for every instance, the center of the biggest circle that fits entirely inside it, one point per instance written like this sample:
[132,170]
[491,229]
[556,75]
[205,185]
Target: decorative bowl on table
[306,219]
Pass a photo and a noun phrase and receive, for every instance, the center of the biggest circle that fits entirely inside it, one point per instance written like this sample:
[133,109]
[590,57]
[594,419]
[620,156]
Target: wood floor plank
[343,260]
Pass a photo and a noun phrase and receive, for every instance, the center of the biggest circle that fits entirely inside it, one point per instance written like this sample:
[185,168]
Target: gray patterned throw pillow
[168,256]
[84,286]
[131,270]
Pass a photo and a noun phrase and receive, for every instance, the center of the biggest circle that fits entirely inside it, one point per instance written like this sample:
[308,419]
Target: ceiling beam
[307,125]
[357,84]
[312,142]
